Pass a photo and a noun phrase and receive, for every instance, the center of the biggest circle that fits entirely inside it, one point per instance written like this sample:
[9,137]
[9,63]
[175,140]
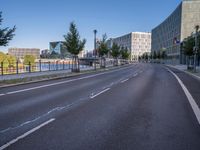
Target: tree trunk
[75,64]
[102,63]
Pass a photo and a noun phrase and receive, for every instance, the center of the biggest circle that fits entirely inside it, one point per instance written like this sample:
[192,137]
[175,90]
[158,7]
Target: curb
[189,73]
[61,77]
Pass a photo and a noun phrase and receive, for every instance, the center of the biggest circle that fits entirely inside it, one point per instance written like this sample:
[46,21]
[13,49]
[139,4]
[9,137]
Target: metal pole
[196,47]
[49,65]
[95,47]
[56,65]
[29,67]
[40,65]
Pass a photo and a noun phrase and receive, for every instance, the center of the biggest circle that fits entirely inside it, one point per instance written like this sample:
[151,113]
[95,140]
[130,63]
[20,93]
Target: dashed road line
[124,80]
[26,134]
[93,96]
[58,83]
[135,74]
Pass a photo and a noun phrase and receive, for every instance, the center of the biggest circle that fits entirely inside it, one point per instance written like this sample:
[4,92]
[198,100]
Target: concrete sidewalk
[184,68]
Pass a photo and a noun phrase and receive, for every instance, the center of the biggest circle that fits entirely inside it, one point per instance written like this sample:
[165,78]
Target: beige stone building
[136,42]
[19,53]
[178,26]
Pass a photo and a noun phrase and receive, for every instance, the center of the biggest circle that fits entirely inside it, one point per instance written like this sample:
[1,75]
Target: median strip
[26,134]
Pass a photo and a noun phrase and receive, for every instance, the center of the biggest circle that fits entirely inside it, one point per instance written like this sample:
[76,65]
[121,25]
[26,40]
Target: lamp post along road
[95,48]
[196,46]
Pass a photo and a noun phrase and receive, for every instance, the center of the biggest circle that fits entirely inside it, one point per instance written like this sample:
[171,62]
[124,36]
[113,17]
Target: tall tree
[188,45]
[154,55]
[103,50]
[115,52]
[6,34]
[29,60]
[125,53]
[74,45]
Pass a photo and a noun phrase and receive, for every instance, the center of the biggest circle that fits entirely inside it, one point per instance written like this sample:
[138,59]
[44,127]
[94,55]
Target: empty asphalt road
[137,107]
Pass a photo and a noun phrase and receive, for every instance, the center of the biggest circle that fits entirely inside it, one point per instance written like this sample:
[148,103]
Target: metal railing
[42,66]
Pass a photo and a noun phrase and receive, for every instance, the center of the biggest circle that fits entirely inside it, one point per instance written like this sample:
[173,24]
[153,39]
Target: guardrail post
[56,65]
[29,64]
[49,65]
[40,65]
[17,67]
[63,65]
[1,68]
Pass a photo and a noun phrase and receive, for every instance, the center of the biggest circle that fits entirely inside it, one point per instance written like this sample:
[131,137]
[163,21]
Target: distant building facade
[56,47]
[19,53]
[45,53]
[179,25]
[137,43]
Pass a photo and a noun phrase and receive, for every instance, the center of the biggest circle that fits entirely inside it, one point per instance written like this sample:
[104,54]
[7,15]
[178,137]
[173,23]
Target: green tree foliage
[154,55]
[188,45]
[158,55]
[6,34]
[125,53]
[11,60]
[103,50]
[115,52]
[7,60]
[29,59]
[2,56]
[74,45]
[163,54]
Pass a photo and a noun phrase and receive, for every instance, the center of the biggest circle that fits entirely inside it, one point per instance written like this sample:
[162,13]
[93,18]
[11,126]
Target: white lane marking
[58,83]
[191,100]
[124,80]
[135,74]
[43,115]
[2,94]
[26,134]
[93,96]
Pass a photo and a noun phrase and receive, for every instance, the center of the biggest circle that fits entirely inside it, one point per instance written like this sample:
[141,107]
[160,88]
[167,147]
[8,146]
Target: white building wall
[136,42]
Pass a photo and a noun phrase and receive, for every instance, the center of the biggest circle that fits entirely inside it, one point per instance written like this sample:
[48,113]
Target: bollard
[17,67]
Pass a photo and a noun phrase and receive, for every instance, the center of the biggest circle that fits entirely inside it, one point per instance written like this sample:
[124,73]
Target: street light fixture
[95,47]
[196,46]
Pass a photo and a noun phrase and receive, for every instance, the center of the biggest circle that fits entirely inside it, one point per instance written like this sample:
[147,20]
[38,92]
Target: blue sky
[40,21]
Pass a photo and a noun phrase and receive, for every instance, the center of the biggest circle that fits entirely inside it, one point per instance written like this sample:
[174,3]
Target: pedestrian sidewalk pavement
[39,74]
[184,68]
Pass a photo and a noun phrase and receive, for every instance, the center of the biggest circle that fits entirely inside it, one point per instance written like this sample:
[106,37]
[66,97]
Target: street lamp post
[95,48]
[196,46]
